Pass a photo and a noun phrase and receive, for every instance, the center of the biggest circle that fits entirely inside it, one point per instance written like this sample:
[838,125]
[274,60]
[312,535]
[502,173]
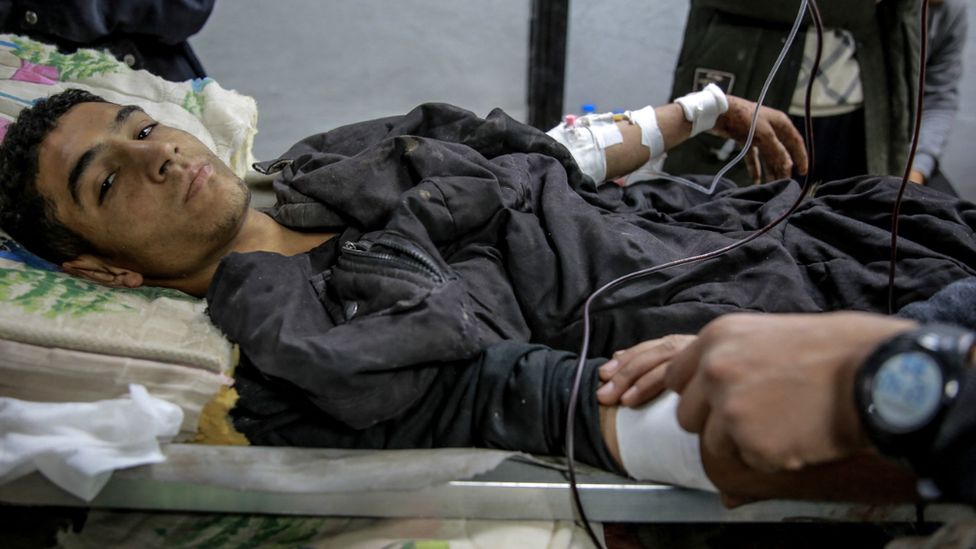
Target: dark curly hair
[25,214]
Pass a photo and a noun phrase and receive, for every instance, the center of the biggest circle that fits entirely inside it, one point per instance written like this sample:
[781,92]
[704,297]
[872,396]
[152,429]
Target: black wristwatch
[907,384]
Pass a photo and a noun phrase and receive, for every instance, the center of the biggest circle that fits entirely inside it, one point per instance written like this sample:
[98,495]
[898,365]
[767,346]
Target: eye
[106,185]
[144,132]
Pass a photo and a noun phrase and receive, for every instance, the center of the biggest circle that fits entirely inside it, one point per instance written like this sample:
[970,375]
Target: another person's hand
[864,476]
[777,144]
[636,375]
[777,391]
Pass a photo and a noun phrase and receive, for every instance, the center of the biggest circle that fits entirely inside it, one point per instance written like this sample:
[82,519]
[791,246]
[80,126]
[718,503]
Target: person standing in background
[862,100]
[143,34]
[947,37]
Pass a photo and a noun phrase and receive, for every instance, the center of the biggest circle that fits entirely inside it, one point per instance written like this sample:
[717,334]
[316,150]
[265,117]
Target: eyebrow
[85,159]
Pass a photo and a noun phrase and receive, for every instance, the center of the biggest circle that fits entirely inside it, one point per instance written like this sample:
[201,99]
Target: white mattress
[50,374]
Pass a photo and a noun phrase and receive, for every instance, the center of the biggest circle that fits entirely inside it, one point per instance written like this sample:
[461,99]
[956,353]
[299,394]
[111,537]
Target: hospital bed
[64,340]
[215,478]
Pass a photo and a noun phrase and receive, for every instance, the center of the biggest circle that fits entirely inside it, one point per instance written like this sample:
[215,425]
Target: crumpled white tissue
[77,445]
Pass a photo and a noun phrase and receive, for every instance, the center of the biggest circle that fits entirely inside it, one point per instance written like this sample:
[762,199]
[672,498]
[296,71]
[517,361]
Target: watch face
[907,390]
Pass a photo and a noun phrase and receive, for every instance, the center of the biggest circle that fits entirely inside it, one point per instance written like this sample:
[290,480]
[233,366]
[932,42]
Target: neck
[258,233]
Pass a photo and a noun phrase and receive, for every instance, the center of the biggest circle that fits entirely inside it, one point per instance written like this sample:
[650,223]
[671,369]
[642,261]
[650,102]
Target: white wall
[313,65]
[621,53]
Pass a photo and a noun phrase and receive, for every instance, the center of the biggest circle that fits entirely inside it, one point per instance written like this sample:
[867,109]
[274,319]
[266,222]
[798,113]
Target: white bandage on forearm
[587,140]
[654,447]
[651,136]
[653,139]
[703,108]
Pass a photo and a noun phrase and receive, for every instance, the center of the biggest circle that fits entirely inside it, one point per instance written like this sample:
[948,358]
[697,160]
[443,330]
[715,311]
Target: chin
[230,219]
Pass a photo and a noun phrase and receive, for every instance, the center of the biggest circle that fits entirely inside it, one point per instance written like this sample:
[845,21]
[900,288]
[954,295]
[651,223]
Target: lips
[198,178]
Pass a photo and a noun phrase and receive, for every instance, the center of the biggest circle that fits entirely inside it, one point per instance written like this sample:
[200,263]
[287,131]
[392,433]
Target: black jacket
[463,240]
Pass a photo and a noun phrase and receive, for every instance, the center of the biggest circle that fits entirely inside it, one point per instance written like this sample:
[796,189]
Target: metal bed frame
[516,489]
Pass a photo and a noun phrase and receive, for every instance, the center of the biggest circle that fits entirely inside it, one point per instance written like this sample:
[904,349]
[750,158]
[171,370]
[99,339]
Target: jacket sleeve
[513,396]
[947,37]
[520,400]
[90,21]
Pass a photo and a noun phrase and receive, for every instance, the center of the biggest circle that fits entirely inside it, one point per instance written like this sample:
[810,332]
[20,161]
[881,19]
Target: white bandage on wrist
[703,108]
[587,139]
[654,447]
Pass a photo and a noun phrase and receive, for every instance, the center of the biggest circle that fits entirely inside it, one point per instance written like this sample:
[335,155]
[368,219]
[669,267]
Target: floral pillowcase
[224,120]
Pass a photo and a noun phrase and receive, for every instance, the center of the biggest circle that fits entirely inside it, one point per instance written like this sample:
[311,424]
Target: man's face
[149,197]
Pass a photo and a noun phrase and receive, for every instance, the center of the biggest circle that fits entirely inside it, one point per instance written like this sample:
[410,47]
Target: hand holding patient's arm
[776,391]
[865,476]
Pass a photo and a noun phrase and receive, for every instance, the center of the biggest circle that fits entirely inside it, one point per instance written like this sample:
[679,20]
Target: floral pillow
[41,306]
[224,120]
[62,338]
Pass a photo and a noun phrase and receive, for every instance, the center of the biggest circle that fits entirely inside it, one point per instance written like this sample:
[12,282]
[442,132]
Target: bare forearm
[623,158]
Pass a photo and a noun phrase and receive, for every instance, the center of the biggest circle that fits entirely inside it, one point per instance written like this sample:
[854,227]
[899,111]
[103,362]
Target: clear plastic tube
[755,115]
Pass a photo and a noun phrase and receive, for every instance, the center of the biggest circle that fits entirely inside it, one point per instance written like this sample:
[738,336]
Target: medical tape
[651,136]
[654,447]
[653,139]
[703,108]
[586,140]
[604,129]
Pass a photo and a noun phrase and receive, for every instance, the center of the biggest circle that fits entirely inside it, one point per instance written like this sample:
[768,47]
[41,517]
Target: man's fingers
[626,371]
[683,366]
[647,387]
[754,165]
[667,344]
[793,141]
[607,370]
[774,154]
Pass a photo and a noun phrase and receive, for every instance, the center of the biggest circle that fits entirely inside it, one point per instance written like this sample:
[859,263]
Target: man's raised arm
[608,146]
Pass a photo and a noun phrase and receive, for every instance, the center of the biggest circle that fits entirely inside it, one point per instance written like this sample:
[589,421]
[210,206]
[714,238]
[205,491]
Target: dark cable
[919,102]
[616,283]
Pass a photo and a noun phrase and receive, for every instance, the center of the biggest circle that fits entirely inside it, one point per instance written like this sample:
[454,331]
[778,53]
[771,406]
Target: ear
[97,269]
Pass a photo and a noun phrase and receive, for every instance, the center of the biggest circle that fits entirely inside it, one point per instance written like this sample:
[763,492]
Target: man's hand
[864,476]
[777,391]
[776,144]
[636,375]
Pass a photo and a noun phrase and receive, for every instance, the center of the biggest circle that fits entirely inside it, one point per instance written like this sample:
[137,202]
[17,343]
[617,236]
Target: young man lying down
[421,279]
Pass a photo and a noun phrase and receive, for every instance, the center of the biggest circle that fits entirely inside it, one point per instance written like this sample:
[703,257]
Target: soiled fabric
[448,309]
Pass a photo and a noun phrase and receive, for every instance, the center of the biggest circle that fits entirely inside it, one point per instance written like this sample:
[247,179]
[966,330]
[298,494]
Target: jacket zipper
[406,257]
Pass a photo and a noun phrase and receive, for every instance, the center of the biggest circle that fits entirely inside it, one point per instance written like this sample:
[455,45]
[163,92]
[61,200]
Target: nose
[155,160]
